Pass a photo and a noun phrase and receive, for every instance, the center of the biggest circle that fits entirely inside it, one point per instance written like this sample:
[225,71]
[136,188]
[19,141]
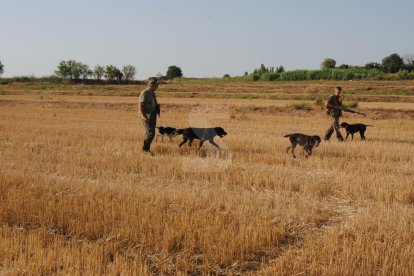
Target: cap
[153,81]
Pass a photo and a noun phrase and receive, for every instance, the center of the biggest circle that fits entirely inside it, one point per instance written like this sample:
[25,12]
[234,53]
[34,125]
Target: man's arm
[141,108]
[141,105]
[328,105]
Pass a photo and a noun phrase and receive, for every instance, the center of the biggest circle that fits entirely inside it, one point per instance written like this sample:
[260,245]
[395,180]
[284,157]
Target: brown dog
[306,141]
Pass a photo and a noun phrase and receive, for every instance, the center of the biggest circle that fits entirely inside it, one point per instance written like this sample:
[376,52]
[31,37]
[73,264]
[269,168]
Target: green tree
[226,76]
[280,69]
[98,72]
[84,70]
[1,68]
[372,65]
[63,70]
[113,74]
[129,72]
[263,69]
[174,72]
[328,63]
[409,62]
[72,70]
[392,63]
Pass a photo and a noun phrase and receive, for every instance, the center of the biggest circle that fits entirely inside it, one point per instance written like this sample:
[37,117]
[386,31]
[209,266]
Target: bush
[373,65]
[405,75]
[51,79]
[351,104]
[313,75]
[330,74]
[248,97]
[270,76]
[300,106]
[294,75]
[23,79]
[319,102]
[255,77]
[266,73]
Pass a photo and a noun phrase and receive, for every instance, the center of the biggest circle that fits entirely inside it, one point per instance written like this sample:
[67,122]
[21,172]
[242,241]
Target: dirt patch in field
[374,113]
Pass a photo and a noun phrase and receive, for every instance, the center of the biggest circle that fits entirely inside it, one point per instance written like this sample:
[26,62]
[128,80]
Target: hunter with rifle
[149,109]
[334,109]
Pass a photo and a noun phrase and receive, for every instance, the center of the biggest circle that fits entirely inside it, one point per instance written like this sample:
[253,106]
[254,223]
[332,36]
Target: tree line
[75,71]
[391,67]
[390,64]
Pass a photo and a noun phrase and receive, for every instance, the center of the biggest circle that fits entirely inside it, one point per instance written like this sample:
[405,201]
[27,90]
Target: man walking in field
[148,111]
[334,107]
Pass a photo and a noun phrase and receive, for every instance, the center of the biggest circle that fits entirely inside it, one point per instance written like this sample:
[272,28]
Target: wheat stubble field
[78,197]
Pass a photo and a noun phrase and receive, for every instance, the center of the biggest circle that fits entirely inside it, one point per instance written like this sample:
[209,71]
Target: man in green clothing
[148,111]
[334,107]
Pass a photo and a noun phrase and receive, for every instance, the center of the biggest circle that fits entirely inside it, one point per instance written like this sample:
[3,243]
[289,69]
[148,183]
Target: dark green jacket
[335,101]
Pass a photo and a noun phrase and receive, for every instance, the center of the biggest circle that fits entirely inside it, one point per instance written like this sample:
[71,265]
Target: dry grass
[78,197]
[381,91]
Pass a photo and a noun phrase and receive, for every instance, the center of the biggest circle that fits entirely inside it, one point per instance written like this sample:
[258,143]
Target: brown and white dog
[170,132]
[306,141]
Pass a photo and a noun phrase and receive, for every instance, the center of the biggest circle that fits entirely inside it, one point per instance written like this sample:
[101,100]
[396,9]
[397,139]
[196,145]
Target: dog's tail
[369,125]
[287,135]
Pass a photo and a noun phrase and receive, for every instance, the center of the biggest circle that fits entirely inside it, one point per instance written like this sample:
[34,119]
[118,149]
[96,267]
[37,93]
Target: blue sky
[205,38]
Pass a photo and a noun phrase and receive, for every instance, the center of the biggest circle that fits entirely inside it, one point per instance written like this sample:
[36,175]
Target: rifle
[345,109]
[352,111]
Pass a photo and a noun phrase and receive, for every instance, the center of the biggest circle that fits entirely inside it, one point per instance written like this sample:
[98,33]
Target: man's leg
[150,131]
[328,133]
[335,126]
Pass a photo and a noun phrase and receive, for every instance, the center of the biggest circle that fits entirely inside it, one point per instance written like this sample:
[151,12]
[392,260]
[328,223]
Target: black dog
[307,142]
[352,129]
[170,132]
[202,134]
